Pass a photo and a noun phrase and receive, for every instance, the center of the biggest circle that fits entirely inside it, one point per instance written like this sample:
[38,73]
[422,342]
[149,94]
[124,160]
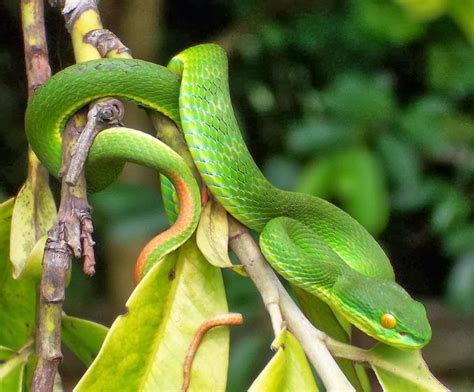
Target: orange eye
[388,321]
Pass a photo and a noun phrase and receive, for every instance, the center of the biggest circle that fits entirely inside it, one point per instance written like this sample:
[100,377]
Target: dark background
[366,103]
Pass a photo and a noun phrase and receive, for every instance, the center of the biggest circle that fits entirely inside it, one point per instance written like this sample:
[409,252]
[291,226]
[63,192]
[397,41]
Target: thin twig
[107,43]
[250,258]
[101,115]
[221,320]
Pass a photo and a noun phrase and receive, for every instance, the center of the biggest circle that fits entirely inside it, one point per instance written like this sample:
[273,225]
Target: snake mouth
[398,339]
[410,341]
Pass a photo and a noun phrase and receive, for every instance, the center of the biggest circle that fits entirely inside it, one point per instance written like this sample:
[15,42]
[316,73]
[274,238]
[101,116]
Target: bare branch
[102,115]
[260,273]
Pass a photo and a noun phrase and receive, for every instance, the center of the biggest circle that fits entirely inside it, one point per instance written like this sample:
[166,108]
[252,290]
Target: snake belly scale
[309,241]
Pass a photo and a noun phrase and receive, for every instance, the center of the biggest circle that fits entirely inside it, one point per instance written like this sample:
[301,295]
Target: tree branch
[102,115]
[71,234]
[64,241]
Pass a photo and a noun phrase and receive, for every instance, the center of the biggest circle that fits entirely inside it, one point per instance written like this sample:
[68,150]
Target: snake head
[383,310]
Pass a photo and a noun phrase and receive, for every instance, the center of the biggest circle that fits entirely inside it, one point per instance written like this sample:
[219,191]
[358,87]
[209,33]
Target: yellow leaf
[288,370]
[17,297]
[33,215]
[213,234]
[240,270]
[402,370]
[145,348]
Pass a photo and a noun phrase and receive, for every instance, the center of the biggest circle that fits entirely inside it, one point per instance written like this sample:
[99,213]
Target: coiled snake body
[309,241]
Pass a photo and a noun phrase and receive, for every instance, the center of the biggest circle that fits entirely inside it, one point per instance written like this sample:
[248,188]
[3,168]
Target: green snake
[310,242]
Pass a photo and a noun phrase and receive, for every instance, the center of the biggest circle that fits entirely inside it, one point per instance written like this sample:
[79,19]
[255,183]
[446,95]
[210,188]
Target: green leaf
[146,347]
[402,370]
[84,338]
[317,178]
[359,99]
[261,98]
[6,210]
[386,21]
[459,240]
[460,287]
[213,233]
[461,11]
[354,178]
[315,135]
[12,372]
[33,215]
[6,353]
[288,370]
[450,67]
[423,123]
[403,166]
[17,297]
[361,189]
[451,211]
[424,10]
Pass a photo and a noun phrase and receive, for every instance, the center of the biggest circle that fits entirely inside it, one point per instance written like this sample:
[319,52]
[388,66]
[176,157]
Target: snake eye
[388,321]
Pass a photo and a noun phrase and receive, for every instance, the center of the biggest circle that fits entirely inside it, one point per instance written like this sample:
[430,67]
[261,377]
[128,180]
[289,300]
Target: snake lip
[410,341]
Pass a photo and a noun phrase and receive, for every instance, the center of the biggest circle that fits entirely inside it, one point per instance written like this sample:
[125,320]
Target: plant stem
[72,231]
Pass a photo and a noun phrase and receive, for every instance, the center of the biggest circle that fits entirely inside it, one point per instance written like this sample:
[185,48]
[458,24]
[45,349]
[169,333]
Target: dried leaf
[213,233]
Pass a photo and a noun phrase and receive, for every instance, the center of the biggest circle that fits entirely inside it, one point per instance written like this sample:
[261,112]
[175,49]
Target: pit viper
[309,241]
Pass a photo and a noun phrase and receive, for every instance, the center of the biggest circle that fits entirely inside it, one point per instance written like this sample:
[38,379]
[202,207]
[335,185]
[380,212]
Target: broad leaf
[33,215]
[402,370]
[288,370]
[213,233]
[84,338]
[460,286]
[424,10]
[17,297]
[449,65]
[355,179]
[6,353]
[461,15]
[145,348]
